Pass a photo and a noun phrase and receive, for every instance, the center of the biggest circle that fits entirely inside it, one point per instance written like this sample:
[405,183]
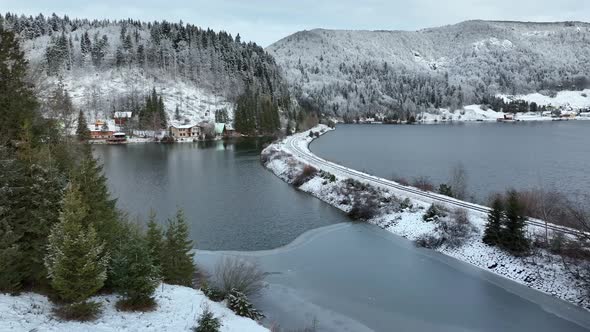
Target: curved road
[298,145]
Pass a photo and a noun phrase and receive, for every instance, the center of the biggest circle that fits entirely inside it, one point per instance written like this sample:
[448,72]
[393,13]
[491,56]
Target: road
[298,145]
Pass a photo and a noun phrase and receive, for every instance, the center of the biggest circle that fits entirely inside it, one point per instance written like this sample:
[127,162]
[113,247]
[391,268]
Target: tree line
[60,231]
[213,60]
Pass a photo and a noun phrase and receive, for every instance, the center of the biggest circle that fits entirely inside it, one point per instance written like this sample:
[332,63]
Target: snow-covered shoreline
[178,310]
[542,271]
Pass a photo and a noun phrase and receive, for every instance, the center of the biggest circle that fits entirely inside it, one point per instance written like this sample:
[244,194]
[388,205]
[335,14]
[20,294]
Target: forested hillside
[109,66]
[402,72]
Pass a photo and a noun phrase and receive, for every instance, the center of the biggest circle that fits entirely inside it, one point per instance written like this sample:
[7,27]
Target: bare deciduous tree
[458,181]
[239,274]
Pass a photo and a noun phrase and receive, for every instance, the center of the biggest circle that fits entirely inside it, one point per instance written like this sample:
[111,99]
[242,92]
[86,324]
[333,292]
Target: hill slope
[338,71]
[109,66]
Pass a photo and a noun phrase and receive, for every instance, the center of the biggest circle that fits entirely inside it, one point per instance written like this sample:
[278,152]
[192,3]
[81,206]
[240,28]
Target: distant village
[116,131]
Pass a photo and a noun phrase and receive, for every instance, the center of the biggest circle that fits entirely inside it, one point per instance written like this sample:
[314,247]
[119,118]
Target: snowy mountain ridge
[341,71]
[111,66]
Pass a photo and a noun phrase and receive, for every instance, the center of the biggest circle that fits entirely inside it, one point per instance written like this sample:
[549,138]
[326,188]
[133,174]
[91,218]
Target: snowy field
[178,310]
[541,271]
[568,101]
[563,99]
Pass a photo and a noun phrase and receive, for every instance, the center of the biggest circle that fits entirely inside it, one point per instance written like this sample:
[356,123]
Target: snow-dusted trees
[506,223]
[76,260]
[133,271]
[211,60]
[256,114]
[153,115]
[17,101]
[177,266]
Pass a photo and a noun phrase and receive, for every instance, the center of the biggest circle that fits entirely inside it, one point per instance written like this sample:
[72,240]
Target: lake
[350,277]
[497,156]
[229,199]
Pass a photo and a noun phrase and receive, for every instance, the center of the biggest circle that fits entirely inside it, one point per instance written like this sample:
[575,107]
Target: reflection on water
[230,200]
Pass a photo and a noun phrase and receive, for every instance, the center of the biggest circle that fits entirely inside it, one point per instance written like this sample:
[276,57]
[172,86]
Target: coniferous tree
[32,205]
[513,236]
[76,258]
[102,211]
[10,258]
[17,101]
[82,131]
[155,239]
[493,231]
[133,272]
[178,267]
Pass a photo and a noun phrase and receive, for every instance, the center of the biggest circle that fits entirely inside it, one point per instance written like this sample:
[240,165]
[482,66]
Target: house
[229,131]
[100,131]
[185,132]
[121,118]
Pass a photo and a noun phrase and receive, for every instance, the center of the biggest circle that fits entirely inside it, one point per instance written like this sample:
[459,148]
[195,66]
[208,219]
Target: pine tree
[178,268]
[207,322]
[10,258]
[493,230]
[17,100]
[133,272]
[513,236]
[31,202]
[102,211]
[155,239]
[82,131]
[177,113]
[76,259]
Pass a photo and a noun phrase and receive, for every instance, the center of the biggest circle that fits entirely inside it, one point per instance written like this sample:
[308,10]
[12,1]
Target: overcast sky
[266,21]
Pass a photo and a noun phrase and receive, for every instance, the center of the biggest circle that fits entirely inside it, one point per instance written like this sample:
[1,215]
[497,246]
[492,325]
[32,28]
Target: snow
[563,99]
[505,44]
[178,310]
[541,271]
[95,91]
[481,113]
[195,105]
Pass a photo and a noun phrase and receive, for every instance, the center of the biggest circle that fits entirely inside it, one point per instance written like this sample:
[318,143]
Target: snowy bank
[480,113]
[400,212]
[178,310]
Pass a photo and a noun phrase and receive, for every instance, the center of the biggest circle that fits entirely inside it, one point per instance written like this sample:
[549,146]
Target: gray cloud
[266,21]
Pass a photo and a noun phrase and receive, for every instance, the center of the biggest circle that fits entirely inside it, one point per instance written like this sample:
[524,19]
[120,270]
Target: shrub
[434,212]
[445,189]
[423,183]
[311,134]
[328,176]
[207,322]
[306,174]
[82,311]
[456,229]
[213,294]
[239,304]
[402,181]
[428,241]
[406,204]
[365,206]
[240,275]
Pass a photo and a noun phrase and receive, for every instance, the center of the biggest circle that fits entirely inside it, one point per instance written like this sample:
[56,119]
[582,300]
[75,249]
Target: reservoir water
[496,156]
[348,277]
